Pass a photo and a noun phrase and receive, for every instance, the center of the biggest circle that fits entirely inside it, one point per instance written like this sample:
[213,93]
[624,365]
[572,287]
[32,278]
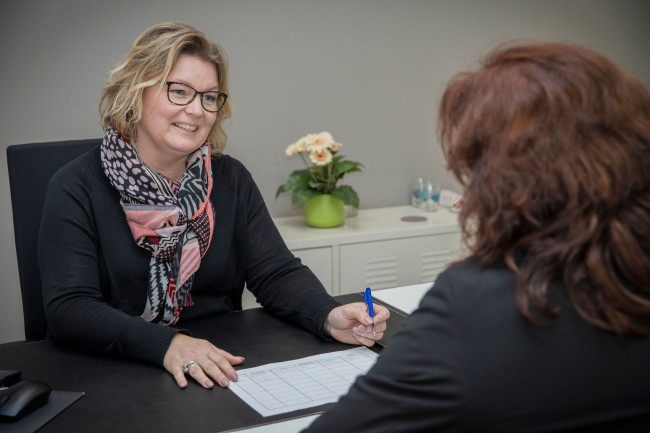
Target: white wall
[368,71]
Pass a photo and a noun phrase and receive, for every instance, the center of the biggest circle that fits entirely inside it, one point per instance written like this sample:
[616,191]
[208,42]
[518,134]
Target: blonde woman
[157,226]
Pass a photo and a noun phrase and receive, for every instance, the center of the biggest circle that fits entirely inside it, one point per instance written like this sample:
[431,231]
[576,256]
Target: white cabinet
[395,262]
[376,248]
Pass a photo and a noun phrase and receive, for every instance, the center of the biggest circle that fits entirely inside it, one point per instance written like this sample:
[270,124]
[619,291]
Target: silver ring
[186,367]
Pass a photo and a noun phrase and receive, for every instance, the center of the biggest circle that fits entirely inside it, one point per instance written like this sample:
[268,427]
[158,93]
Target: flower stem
[309,167]
[329,176]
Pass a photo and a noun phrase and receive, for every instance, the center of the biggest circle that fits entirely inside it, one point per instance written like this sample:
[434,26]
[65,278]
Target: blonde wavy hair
[148,63]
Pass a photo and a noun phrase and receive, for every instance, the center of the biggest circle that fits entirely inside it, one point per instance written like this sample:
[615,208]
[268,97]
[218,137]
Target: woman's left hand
[351,324]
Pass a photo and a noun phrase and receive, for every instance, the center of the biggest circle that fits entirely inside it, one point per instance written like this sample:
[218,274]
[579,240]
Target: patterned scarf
[173,220]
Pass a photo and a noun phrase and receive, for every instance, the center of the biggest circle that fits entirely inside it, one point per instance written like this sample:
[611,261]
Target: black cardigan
[95,277]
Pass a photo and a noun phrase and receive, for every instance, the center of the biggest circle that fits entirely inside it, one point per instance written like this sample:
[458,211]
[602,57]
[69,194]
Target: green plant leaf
[343,167]
[347,195]
[299,195]
[281,189]
[299,179]
[317,185]
[315,180]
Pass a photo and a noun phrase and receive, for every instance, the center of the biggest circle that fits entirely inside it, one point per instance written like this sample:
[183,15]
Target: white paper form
[282,387]
[406,298]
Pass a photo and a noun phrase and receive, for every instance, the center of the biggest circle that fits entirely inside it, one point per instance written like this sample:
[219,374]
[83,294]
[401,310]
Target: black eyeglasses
[182,94]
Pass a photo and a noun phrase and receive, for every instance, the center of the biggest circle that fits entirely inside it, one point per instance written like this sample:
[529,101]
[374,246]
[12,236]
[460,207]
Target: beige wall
[368,71]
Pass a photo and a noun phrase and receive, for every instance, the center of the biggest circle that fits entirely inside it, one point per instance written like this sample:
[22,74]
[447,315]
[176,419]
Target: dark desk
[129,396]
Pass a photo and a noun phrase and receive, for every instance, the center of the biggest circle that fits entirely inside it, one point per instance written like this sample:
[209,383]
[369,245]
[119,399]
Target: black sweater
[95,277]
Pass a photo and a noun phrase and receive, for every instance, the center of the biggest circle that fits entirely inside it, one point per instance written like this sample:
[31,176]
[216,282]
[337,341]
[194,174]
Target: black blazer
[467,361]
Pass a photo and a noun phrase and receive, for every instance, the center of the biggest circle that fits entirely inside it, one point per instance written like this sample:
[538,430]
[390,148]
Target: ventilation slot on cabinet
[381,273]
[433,263]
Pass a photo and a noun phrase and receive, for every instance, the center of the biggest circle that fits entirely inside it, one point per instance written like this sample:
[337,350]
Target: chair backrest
[30,168]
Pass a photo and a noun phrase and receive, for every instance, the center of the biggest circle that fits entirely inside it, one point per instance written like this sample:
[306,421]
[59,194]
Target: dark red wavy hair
[551,142]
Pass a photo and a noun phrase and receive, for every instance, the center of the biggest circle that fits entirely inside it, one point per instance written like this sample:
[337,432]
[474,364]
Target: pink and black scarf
[173,220]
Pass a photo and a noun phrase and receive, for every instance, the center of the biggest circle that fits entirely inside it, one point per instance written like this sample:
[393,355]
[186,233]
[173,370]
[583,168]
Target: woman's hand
[210,362]
[351,324]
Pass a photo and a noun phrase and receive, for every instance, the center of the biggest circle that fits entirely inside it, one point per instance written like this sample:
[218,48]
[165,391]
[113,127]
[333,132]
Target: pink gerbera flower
[301,145]
[320,141]
[320,157]
[291,150]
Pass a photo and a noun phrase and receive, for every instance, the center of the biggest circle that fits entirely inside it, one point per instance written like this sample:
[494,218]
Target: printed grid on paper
[307,382]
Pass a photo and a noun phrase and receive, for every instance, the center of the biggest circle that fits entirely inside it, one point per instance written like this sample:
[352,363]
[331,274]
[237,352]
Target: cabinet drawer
[396,262]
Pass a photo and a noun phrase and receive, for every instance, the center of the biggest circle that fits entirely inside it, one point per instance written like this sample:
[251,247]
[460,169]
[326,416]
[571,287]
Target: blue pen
[367,297]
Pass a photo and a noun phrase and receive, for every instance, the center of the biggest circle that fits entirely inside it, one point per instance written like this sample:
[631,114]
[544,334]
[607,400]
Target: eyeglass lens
[182,94]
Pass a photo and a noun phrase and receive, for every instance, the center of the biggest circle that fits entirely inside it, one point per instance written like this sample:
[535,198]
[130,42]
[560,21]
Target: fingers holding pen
[381,315]
[351,323]
[372,329]
[367,338]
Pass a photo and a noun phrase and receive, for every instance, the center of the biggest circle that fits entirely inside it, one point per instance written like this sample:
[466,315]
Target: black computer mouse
[22,398]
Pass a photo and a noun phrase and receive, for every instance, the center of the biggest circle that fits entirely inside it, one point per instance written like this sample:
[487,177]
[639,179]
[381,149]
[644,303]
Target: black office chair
[30,168]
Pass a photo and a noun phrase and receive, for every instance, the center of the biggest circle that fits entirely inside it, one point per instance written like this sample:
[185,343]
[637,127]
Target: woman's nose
[195,107]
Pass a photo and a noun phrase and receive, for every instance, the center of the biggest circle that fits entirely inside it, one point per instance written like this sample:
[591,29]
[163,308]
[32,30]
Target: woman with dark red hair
[544,327]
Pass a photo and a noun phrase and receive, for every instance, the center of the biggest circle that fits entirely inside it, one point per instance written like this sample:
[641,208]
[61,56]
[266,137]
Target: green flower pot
[324,211]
